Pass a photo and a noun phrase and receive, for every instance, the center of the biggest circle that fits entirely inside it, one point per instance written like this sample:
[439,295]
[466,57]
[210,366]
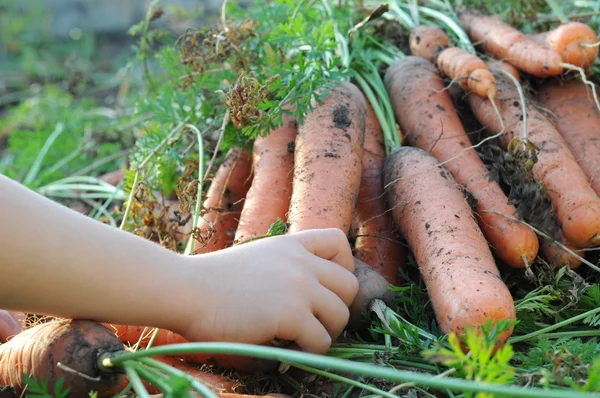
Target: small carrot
[558,256]
[269,196]
[578,121]
[328,162]
[577,205]
[506,43]
[575,42]
[376,243]
[224,202]
[468,70]
[133,334]
[46,350]
[429,120]
[460,274]
[428,41]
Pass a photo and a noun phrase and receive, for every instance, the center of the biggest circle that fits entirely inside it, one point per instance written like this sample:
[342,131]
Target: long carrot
[429,120]
[454,259]
[471,73]
[46,350]
[506,43]
[224,202]
[328,162]
[131,334]
[575,42]
[376,243]
[269,196]
[577,205]
[578,121]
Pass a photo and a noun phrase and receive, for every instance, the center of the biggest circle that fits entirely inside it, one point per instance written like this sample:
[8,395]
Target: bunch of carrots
[432,196]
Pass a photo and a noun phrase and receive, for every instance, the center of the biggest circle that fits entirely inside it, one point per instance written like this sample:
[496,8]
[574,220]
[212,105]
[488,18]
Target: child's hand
[11,323]
[294,287]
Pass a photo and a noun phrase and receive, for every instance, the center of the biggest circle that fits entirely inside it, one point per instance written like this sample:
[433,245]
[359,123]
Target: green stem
[321,361]
[153,376]
[463,38]
[576,333]
[196,213]
[550,328]
[196,385]
[343,379]
[37,164]
[136,382]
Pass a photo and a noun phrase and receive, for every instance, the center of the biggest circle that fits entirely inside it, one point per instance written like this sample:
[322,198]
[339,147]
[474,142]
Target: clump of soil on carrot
[340,117]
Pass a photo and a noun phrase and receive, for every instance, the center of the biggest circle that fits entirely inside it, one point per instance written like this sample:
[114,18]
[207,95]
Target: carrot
[75,344]
[427,115]
[376,243]
[506,43]
[454,259]
[216,382]
[371,285]
[428,41]
[224,202]
[131,335]
[559,257]
[578,121]
[574,41]
[471,72]
[504,66]
[576,204]
[328,162]
[269,196]
[11,324]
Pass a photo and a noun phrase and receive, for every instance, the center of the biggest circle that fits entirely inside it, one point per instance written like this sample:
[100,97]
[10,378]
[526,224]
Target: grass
[166,122]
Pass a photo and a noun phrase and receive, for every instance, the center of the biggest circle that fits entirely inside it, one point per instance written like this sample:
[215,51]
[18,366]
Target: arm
[57,262]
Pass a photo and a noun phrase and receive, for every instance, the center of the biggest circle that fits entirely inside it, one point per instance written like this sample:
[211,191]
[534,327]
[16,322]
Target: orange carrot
[269,196]
[578,121]
[376,243]
[461,277]
[505,66]
[576,204]
[429,120]
[506,43]
[428,41]
[471,72]
[573,41]
[559,257]
[328,162]
[224,202]
[75,344]
[131,334]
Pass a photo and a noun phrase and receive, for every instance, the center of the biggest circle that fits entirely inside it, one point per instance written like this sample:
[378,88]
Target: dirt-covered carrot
[428,41]
[576,204]
[269,196]
[429,120]
[574,41]
[575,116]
[11,324]
[558,256]
[131,334]
[507,43]
[328,162]
[224,202]
[375,241]
[504,66]
[454,259]
[46,350]
[468,70]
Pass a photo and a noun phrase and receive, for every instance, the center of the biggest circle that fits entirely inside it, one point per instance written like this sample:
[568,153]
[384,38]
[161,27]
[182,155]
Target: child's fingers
[335,278]
[330,244]
[9,326]
[310,335]
[331,312]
